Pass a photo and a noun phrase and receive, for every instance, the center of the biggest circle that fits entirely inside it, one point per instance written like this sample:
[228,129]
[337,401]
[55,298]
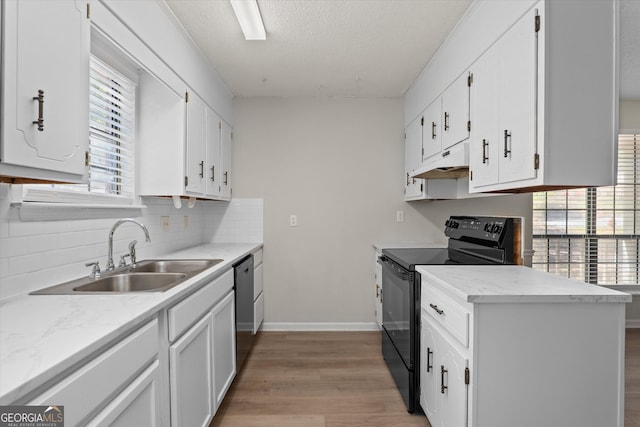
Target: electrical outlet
[293,220]
[400,216]
[185,221]
[164,222]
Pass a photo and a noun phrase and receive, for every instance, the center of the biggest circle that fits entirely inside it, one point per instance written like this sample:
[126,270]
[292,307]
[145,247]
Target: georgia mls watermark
[31,416]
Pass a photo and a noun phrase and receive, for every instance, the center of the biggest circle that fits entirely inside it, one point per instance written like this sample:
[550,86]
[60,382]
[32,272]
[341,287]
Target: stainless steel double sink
[147,276]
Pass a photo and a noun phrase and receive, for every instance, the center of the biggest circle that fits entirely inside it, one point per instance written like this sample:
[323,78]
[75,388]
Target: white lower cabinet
[138,405]
[524,363]
[95,386]
[202,357]
[191,367]
[443,377]
[224,344]
[258,294]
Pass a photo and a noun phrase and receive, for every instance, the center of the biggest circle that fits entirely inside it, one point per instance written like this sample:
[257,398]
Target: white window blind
[111,146]
[592,234]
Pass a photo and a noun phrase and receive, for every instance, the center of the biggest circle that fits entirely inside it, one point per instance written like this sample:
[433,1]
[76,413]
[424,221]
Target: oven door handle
[393,268]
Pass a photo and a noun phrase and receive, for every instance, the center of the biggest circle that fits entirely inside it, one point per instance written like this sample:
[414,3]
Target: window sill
[43,211]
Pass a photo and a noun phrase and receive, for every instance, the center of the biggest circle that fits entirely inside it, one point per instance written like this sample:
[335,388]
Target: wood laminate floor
[335,379]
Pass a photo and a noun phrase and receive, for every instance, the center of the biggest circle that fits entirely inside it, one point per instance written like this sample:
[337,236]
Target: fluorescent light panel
[249,18]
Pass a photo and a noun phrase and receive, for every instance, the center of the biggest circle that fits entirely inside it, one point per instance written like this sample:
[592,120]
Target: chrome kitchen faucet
[110,265]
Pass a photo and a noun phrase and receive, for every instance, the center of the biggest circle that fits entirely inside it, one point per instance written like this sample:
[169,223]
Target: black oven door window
[397,286]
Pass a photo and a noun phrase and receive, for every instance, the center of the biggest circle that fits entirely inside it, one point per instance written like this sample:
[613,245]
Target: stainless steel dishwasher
[243,285]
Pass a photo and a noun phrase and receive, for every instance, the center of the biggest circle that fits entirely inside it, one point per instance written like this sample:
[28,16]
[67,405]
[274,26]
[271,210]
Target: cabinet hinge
[536,161]
[537,23]
[469,126]
[470,79]
[86,158]
[88,10]
[466,376]
[186,97]
[186,181]
[422,121]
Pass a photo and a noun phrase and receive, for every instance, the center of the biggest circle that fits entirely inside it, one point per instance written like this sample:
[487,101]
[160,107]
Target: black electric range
[472,241]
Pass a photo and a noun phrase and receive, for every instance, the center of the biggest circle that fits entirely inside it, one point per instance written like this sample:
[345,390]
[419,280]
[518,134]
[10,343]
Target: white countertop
[42,335]
[516,284]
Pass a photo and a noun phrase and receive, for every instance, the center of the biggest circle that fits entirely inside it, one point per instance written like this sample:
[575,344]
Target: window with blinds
[111,171]
[592,234]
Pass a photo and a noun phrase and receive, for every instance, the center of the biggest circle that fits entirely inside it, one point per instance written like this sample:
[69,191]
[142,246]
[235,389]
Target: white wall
[36,254]
[338,165]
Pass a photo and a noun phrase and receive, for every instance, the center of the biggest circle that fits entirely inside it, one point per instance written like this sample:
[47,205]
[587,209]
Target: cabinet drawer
[85,390]
[257,257]
[258,312]
[190,309]
[448,313]
[257,281]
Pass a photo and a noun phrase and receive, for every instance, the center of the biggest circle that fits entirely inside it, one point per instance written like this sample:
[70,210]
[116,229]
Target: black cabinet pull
[446,121]
[40,120]
[433,130]
[507,136]
[429,365]
[435,307]
[201,169]
[485,144]
[442,386]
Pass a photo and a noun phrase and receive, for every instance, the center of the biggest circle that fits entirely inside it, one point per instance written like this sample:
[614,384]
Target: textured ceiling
[353,48]
[360,48]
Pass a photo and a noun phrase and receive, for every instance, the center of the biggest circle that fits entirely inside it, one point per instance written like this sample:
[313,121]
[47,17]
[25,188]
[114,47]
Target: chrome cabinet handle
[507,136]
[213,173]
[40,120]
[442,372]
[429,365]
[446,121]
[435,307]
[485,144]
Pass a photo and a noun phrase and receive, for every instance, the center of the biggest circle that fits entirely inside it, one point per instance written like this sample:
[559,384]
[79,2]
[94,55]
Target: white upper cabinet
[196,144]
[545,105]
[182,145]
[413,187]
[432,130]
[455,112]
[226,139]
[45,89]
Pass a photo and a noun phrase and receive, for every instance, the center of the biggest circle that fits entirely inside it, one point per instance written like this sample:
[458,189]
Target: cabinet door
[455,112]
[429,375]
[196,144]
[214,126]
[378,301]
[226,136]
[484,145]
[191,376]
[224,346]
[413,158]
[431,130]
[517,100]
[452,390]
[138,405]
[46,48]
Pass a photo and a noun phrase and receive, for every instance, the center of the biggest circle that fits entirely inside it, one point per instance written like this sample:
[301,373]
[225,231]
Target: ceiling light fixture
[249,18]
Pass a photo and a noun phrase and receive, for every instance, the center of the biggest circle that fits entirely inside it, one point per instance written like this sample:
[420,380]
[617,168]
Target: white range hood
[451,163]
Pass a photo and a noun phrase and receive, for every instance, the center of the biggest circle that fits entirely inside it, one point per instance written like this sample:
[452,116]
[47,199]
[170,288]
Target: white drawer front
[190,309]
[258,313]
[85,390]
[257,281]
[257,257]
[448,313]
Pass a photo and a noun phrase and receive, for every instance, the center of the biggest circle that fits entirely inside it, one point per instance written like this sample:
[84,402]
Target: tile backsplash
[35,254]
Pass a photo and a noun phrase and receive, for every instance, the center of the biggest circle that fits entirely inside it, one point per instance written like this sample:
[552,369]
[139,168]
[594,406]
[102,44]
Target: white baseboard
[633,323]
[320,326]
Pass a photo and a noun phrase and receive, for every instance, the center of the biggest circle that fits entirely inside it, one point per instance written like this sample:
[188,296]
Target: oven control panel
[477,228]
